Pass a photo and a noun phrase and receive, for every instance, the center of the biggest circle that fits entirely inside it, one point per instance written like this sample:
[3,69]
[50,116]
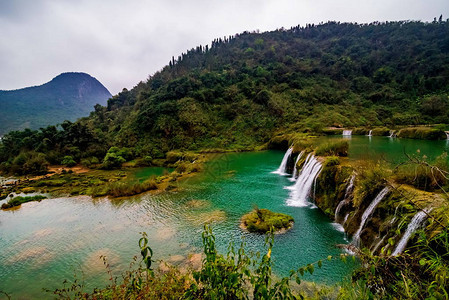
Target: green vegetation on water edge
[264,220]
[239,275]
[16,201]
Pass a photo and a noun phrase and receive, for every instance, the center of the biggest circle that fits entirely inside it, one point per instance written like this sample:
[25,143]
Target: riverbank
[79,180]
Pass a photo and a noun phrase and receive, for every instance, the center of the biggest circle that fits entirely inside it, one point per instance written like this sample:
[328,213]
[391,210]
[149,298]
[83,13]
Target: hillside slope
[67,97]
[238,92]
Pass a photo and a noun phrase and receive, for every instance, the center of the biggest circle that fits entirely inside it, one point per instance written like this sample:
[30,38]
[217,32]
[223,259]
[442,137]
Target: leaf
[391,241]
[298,280]
[329,257]
[422,262]
[310,268]
[301,271]
[320,263]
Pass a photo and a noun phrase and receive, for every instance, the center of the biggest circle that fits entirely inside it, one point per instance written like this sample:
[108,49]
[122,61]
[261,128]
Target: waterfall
[366,214]
[303,185]
[295,168]
[447,134]
[370,133]
[282,170]
[347,132]
[415,223]
[392,133]
[348,192]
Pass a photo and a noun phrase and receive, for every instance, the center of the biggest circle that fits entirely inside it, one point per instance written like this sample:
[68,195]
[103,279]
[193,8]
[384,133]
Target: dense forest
[240,90]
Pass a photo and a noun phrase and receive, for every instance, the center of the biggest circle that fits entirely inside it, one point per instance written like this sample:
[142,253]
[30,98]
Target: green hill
[238,92]
[67,97]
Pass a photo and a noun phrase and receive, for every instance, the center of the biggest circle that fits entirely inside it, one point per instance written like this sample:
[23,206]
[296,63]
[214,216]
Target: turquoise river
[43,243]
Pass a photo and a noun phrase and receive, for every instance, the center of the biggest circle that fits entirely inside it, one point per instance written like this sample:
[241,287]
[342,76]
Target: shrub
[90,161]
[112,160]
[263,220]
[68,161]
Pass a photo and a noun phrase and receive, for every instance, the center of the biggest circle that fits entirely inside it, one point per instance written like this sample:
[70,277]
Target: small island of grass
[261,221]
[16,201]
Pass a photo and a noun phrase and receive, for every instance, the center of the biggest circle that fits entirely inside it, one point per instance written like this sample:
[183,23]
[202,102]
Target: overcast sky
[121,42]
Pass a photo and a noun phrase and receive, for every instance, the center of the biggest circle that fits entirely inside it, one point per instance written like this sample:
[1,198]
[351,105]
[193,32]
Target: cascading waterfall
[347,132]
[282,170]
[348,192]
[367,213]
[392,133]
[370,133]
[415,223]
[303,185]
[295,168]
[447,134]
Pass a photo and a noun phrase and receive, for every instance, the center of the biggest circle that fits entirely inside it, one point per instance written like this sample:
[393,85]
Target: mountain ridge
[68,96]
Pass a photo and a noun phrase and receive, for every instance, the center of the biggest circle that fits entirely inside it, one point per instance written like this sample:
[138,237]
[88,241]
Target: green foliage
[121,189]
[331,161]
[68,161]
[29,162]
[16,201]
[228,277]
[334,148]
[370,180]
[238,93]
[422,133]
[114,158]
[264,220]
[422,274]
[422,174]
[381,131]
[90,161]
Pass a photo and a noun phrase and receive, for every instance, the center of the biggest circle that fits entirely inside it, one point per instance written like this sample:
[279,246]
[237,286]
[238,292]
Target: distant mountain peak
[68,96]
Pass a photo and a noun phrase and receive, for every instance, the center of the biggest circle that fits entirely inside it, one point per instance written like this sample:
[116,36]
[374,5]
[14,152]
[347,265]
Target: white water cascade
[370,133]
[415,223]
[392,135]
[347,132]
[295,169]
[303,185]
[348,192]
[282,170]
[447,134]
[367,213]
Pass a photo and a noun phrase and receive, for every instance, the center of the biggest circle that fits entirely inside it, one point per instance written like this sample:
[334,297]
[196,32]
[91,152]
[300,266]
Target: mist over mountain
[68,96]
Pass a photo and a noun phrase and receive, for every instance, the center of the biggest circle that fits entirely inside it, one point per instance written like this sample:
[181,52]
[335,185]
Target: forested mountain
[68,96]
[240,90]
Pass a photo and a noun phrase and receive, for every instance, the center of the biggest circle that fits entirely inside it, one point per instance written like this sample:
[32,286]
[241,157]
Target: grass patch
[333,148]
[381,131]
[16,201]
[262,220]
[121,189]
[422,133]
